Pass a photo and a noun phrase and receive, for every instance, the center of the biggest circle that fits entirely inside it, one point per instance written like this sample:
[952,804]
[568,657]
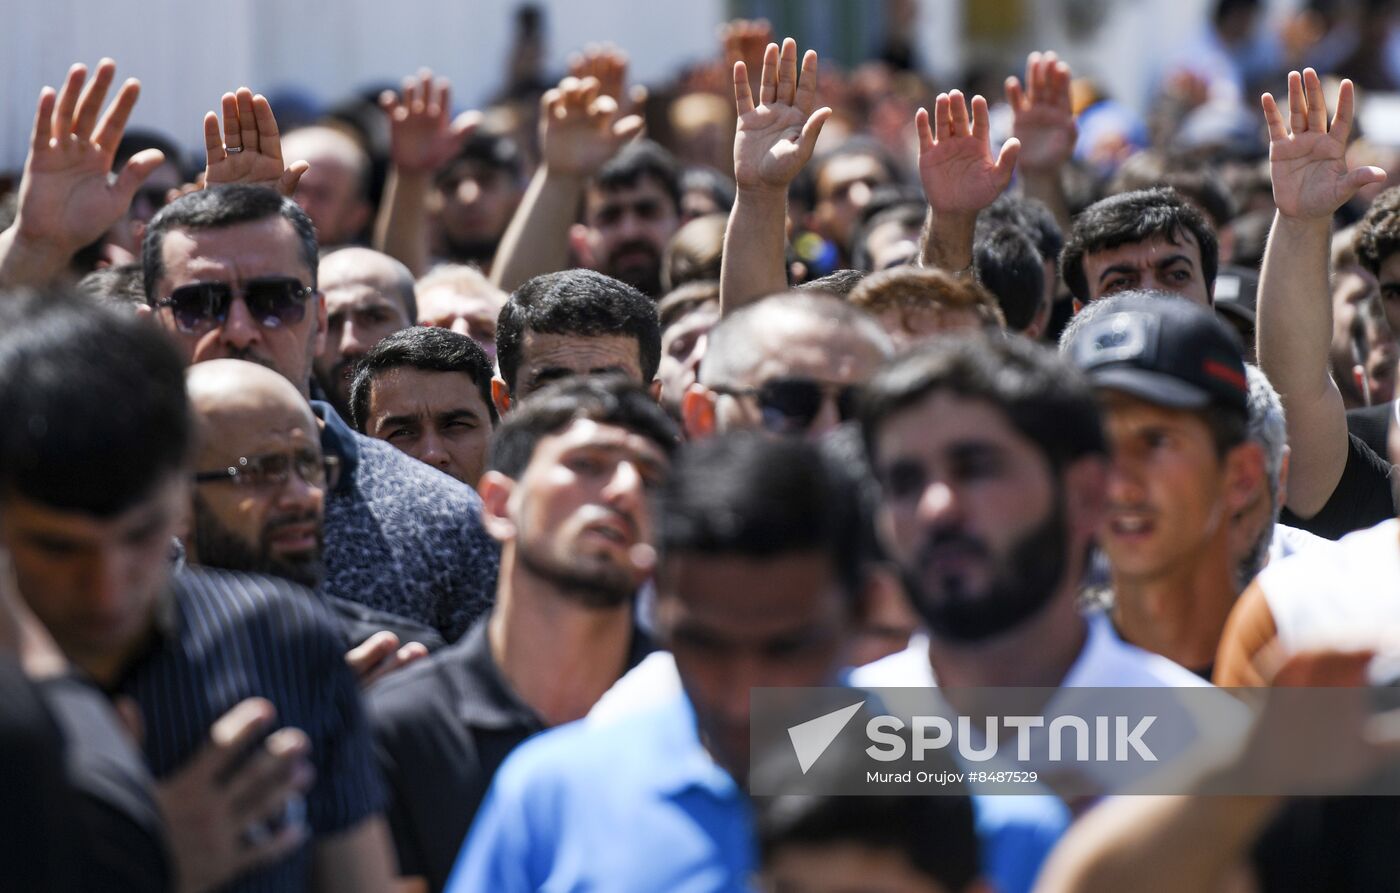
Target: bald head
[333,192]
[369,295]
[227,394]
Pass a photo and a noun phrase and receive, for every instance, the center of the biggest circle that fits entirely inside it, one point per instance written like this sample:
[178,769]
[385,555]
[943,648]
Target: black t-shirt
[442,727]
[78,811]
[1372,425]
[1337,844]
[1361,499]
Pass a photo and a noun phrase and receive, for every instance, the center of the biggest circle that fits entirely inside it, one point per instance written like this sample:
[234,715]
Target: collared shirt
[223,637]
[631,806]
[442,728]
[403,537]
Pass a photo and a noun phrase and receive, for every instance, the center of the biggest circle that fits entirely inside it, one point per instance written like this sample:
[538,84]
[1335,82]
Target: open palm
[776,138]
[956,166]
[422,135]
[250,148]
[1307,160]
[580,129]
[67,198]
[1043,116]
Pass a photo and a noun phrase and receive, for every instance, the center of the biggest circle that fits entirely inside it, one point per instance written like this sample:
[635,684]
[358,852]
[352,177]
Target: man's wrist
[26,260]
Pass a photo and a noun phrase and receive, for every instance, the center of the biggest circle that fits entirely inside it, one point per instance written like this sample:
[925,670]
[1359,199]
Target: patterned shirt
[403,537]
[223,637]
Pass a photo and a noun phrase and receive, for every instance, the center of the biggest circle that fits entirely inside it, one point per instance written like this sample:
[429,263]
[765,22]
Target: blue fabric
[1016,833]
[631,806]
[403,537]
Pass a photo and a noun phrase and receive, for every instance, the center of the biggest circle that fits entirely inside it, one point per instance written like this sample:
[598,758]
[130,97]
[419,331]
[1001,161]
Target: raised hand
[775,138]
[609,65]
[580,129]
[1307,160]
[66,199]
[422,136]
[746,40]
[1042,116]
[380,655]
[250,148]
[956,167]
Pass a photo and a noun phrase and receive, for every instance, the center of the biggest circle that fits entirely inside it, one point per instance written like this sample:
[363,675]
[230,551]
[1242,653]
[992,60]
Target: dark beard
[217,546]
[470,251]
[598,590]
[1026,582]
[646,280]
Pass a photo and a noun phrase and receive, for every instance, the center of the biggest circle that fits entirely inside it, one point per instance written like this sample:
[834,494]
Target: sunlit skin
[735,623]
[477,201]
[546,358]
[908,327]
[843,190]
[235,254]
[1165,488]
[437,418]
[1157,264]
[94,582]
[891,244]
[473,315]
[361,309]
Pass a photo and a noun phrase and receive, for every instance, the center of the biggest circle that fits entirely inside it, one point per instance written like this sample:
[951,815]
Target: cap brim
[1153,387]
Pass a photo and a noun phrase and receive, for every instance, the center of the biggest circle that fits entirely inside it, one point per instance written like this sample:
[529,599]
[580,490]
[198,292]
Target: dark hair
[909,215]
[120,286]
[577,302]
[840,283]
[708,180]
[94,403]
[220,207]
[137,140]
[1378,234]
[1032,217]
[1190,177]
[429,349]
[490,150]
[747,494]
[694,252]
[1130,218]
[605,399]
[1044,397]
[680,303]
[642,158]
[936,835]
[1009,266]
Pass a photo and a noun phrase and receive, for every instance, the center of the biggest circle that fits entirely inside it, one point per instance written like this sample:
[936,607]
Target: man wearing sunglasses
[790,364]
[230,273]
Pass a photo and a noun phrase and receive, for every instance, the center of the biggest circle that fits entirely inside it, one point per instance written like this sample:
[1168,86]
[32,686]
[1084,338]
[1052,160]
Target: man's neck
[1039,652]
[1179,614]
[558,655]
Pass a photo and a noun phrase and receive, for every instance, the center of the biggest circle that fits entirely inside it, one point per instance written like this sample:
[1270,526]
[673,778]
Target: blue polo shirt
[632,805]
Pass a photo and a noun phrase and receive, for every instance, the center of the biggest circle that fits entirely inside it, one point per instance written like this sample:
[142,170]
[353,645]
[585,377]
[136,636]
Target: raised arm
[580,129]
[66,198]
[422,138]
[1043,120]
[959,177]
[773,141]
[1307,162]
[250,148]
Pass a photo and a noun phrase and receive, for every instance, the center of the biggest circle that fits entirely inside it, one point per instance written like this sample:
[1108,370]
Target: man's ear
[1085,495]
[698,412]
[495,490]
[145,311]
[500,395]
[1245,477]
[655,389]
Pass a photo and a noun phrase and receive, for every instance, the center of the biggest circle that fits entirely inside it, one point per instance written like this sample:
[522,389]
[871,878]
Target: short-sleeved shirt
[1361,499]
[633,805]
[442,728]
[223,637]
[403,537]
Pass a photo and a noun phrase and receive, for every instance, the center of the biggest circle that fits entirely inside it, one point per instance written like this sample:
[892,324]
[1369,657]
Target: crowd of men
[420,515]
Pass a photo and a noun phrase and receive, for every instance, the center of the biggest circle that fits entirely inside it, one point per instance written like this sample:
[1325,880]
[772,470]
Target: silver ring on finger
[234,150]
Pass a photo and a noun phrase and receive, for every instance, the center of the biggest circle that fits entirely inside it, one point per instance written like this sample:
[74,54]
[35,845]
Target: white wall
[188,52]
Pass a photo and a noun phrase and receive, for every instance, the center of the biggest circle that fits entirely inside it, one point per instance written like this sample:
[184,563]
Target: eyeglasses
[274,469]
[273,301]
[790,405]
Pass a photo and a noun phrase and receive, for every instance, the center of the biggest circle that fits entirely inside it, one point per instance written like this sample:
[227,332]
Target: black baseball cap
[1167,351]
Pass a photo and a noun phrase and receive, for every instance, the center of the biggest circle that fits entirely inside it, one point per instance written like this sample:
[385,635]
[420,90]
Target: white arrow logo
[811,738]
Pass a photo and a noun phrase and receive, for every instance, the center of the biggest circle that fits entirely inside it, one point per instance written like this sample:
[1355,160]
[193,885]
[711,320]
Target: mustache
[291,519]
[635,245]
[939,540]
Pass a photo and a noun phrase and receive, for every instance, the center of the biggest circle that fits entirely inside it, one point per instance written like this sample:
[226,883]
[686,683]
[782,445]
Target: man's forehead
[1150,248]
[579,351]
[346,295]
[799,344]
[396,389]
[444,299]
[584,433]
[941,421]
[1121,408]
[644,188]
[264,247]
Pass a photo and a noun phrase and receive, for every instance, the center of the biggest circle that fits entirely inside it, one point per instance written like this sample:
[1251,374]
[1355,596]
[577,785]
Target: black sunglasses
[273,301]
[790,405]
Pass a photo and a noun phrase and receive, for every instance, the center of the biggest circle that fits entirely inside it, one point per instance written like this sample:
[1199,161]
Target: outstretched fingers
[768,82]
[113,123]
[787,73]
[265,125]
[1273,118]
[213,141]
[94,94]
[68,101]
[1346,104]
[743,94]
[807,83]
[1297,107]
[1316,102]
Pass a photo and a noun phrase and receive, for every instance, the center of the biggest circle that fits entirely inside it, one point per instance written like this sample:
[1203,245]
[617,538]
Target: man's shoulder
[385,472]
[420,692]
[222,601]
